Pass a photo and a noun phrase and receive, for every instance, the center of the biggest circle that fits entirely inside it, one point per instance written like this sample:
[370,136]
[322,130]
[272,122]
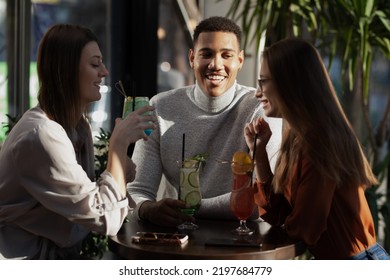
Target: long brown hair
[317,126]
[58,65]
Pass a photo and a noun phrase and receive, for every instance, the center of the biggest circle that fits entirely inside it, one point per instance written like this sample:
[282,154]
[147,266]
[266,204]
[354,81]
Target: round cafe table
[275,244]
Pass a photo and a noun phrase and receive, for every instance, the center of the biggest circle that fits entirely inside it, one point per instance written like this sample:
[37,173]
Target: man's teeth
[216,77]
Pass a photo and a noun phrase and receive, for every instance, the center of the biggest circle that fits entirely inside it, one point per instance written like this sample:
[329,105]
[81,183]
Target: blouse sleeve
[273,208]
[312,200]
[305,213]
[52,175]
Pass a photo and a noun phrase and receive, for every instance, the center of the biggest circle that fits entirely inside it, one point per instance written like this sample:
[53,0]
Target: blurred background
[144,43]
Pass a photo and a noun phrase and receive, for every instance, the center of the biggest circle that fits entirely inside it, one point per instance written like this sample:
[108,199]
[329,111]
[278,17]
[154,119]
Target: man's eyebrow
[223,49]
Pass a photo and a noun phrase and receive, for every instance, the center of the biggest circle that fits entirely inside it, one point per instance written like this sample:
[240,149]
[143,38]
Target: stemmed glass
[189,191]
[241,199]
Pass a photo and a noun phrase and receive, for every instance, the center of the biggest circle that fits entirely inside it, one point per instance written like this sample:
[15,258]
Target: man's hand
[165,212]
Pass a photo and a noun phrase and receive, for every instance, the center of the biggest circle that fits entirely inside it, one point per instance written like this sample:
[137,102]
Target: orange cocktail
[241,199]
[242,202]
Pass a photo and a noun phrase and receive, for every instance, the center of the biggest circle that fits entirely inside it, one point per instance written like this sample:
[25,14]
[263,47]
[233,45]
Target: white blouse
[47,200]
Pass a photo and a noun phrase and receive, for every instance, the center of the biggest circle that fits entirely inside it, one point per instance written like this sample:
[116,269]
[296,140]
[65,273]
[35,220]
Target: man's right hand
[165,212]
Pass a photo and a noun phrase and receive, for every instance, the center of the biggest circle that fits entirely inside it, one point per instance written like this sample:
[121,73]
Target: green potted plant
[96,244]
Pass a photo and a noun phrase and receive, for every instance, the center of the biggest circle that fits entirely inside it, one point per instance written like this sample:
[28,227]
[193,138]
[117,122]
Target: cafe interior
[145,46]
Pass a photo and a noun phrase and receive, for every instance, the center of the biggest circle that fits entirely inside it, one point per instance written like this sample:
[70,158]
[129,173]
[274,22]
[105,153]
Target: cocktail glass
[189,192]
[241,199]
[140,101]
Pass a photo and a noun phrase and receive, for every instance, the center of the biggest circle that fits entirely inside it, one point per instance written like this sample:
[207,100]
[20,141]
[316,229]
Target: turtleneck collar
[213,104]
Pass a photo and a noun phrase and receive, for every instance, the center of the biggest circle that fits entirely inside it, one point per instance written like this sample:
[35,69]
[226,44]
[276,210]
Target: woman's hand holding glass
[132,128]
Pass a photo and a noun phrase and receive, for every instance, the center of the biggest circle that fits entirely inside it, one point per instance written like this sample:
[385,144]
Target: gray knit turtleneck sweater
[213,126]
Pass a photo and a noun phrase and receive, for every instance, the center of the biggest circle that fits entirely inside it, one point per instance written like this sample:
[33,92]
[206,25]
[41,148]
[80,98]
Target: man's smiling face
[216,60]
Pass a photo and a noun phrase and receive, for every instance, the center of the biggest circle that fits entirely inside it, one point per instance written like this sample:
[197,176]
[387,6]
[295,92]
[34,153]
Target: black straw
[133,94]
[182,149]
[254,148]
[253,155]
[182,160]
[133,91]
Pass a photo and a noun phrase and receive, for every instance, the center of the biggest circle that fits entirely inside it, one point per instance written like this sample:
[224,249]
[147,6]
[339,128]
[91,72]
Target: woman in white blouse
[49,198]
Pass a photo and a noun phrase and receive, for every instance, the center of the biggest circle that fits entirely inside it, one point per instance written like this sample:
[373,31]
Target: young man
[212,115]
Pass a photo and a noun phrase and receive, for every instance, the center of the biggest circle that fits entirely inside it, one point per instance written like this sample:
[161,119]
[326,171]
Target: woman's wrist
[261,156]
[118,143]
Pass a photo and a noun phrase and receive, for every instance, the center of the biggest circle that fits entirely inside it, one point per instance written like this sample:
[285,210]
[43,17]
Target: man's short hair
[215,24]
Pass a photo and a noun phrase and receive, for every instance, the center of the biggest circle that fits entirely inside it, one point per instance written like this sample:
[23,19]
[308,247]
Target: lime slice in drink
[193,179]
[193,198]
[188,163]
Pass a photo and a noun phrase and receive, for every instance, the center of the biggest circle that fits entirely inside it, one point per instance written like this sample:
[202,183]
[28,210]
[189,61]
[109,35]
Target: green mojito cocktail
[128,107]
[189,191]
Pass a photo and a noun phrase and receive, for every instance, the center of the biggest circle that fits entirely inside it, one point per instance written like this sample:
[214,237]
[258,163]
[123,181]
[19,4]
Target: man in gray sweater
[212,115]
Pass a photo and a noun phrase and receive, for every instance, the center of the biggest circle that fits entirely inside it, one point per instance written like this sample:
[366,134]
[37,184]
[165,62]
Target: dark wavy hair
[317,125]
[215,24]
[58,65]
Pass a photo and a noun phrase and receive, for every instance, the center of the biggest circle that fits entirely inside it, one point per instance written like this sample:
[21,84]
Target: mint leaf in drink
[196,161]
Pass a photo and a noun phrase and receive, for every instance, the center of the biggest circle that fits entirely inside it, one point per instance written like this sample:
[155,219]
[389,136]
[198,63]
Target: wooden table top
[275,244]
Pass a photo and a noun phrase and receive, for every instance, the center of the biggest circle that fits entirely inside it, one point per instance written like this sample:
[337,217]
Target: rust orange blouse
[334,223]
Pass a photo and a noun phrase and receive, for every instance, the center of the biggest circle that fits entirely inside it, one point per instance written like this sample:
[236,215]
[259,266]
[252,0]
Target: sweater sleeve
[146,157]
[219,208]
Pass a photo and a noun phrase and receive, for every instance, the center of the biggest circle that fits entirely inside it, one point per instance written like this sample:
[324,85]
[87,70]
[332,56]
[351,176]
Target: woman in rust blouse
[317,191]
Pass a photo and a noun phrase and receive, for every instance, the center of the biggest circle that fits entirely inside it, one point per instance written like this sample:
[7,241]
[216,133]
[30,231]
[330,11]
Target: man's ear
[191,57]
[241,58]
